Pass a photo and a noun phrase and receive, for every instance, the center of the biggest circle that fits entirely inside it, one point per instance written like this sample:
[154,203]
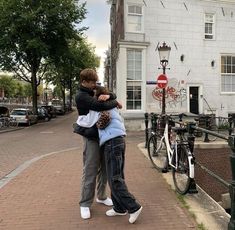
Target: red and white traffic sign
[162,81]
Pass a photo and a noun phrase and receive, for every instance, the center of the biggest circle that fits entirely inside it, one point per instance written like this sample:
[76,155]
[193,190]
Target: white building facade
[201,74]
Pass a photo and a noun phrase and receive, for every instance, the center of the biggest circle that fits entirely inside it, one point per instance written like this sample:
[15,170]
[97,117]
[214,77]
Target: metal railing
[230,138]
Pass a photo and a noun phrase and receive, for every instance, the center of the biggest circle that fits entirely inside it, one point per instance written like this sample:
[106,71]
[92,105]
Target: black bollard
[191,137]
[155,122]
[152,121]
[207,123]
[231,224]
[230,121]
[146,120]
[191,140]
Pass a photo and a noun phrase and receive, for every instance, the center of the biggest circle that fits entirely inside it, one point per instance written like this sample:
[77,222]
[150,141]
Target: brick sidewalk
[45,196]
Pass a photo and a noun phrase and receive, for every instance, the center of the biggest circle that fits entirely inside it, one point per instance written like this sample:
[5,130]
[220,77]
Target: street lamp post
[164,53]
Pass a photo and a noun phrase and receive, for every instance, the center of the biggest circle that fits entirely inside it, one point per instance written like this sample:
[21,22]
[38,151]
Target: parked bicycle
[8,122]
[173,149]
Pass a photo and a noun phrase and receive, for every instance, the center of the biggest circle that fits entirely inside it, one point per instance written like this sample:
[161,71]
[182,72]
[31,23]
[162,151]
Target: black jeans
[114,151]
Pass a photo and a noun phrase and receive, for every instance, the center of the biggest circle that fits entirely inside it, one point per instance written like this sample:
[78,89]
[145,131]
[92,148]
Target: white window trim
[142,18]
[140,81]
[222,92]
[213,27]
[121,72]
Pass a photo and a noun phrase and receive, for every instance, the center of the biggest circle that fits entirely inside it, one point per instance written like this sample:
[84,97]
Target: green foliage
[27,90]
[85,54]
[8,84]
[19,91]
[14,88]
[80,55]
[201,227]
[65,71]
[57,92]
[181,198]
[33,31]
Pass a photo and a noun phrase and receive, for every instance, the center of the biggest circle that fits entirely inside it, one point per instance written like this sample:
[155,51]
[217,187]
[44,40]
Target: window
[134,79]
[134,19]
[228,74]
[209,26]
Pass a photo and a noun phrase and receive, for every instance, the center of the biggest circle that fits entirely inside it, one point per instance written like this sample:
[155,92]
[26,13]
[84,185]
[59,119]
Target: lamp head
[164,53]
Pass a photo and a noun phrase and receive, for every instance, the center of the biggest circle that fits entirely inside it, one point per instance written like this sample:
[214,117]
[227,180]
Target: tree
[33,31]
[82,55]
[65,72]
[19,91]
[28,91]
[8,84]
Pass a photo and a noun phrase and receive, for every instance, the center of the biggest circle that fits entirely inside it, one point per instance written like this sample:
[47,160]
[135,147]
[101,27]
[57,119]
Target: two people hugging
[103,131]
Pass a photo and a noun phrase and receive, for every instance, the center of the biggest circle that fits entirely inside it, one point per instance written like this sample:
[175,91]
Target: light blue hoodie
[114,129]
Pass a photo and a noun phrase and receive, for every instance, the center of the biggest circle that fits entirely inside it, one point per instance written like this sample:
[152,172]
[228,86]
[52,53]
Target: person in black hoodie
[93,157]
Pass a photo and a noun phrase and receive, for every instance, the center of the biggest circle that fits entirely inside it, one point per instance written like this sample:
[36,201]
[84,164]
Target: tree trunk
[63,95]
[62,88]
[34,91]
[70,94]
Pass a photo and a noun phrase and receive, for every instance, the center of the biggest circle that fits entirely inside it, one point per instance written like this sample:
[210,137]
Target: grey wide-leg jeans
[93,168]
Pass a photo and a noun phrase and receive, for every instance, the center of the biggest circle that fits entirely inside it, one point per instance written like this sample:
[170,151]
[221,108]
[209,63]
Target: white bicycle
[173,151]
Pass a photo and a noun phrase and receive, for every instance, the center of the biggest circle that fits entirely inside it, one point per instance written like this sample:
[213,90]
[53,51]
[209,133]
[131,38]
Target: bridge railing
[230,138]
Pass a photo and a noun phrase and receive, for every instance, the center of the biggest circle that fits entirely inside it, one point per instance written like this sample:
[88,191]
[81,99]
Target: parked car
[58,104]
[43,114]
[24,116]
[51,110]
[4,111]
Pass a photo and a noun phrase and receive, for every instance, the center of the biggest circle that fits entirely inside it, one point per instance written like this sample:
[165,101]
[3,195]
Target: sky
[98,34]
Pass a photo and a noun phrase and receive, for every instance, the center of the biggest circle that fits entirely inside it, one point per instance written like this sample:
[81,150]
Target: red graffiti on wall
[171,94]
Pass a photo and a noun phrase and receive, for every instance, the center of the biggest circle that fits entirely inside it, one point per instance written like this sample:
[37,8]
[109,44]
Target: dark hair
[100,90]
[88,75]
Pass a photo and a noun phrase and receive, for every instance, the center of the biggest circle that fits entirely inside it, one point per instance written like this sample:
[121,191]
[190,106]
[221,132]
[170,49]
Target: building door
[194,99]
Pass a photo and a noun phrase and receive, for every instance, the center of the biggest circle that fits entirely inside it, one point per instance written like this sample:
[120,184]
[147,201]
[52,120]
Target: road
[25,144]
[56,135]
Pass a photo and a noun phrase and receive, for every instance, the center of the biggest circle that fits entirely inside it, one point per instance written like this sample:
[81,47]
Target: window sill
[207,39]
[135,32]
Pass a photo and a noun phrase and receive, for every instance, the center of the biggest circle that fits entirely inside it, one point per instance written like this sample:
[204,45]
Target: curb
[11,129]
[7,178]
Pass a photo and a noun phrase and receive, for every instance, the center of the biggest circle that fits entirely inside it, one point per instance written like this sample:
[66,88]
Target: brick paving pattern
[22,145]
[45,196]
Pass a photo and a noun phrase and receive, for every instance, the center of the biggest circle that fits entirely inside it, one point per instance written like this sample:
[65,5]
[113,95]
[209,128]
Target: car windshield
[18,112]
[56,102]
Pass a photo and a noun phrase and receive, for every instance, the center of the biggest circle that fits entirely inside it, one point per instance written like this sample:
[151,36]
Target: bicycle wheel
[13,124]
[181,173]
[157,152]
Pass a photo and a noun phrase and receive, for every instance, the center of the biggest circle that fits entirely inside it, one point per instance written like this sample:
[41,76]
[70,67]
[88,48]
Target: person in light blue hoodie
[112,134]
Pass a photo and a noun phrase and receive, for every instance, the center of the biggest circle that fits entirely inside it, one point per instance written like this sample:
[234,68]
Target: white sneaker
[134,216]
[85,212]
[112,212]
[107,201]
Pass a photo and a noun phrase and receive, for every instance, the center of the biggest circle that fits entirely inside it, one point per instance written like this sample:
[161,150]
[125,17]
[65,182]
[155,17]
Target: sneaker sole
[133,221]
[101,202]
[85,218]
[117,214]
